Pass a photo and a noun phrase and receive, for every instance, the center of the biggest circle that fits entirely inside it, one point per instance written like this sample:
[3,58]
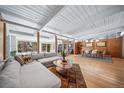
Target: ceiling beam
[51,16]
[15,23]
[27,34]
[57,34]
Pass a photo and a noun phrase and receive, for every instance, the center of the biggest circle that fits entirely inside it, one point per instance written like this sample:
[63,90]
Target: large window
[46,47]
[59,45]
[59,48]
[43,47]
[65,44]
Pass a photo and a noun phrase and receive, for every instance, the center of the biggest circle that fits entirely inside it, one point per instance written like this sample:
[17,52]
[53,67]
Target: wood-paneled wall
[78,48]
[113,47]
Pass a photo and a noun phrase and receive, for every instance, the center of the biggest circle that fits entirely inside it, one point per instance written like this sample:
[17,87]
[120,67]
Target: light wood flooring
[101,74]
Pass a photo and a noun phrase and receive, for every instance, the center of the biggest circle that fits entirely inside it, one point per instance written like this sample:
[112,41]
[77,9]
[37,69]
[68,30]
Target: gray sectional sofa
[31,75]
[46,58]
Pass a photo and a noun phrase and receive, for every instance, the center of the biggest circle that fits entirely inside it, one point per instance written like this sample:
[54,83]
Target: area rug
[73,79]
[109,59]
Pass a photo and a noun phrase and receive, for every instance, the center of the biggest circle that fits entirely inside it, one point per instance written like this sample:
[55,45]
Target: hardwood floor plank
[101,74]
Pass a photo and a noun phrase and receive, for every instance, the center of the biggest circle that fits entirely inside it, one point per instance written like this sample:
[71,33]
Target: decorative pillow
[19,59]
[10,75]
[27,59]
[24,59]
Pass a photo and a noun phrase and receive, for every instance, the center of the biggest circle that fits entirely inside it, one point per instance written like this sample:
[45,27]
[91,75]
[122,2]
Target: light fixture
[76,40]
[69,45]
[86,41]
[102,38]
[97,40]
[122,33]
[91,41]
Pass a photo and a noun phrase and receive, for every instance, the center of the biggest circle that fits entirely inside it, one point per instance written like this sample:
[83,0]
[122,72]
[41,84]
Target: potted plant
[63,54]
[13,53]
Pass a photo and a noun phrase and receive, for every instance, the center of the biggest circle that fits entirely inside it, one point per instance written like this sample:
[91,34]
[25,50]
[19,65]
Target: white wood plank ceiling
[77,21]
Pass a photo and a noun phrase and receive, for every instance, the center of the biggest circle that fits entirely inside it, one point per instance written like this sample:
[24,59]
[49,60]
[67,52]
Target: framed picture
[26,46]
[101,44]
[89,44]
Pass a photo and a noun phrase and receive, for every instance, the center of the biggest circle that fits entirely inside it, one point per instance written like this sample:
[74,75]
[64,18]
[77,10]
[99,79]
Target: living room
[62,46]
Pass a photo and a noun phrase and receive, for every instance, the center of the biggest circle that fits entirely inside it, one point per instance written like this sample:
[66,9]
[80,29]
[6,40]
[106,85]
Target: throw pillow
[27,59]
[20,59]
[24,59]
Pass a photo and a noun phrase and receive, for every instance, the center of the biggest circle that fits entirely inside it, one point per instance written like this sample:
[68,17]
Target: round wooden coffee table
[61,67]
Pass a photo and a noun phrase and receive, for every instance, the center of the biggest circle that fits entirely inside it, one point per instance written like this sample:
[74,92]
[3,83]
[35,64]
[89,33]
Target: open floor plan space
[61,46]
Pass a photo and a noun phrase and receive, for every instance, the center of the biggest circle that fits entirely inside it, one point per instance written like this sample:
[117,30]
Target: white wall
[123,47]
[12,39]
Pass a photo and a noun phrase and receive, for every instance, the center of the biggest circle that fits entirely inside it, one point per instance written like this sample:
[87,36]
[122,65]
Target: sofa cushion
[27,59]
[10,75]
[37,56]
[50,54]
[35,75]
[50,59]
[19,59]
[24,59]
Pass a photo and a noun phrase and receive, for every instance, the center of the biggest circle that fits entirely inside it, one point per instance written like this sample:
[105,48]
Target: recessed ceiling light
[86,40]
[91,41]
[97,40]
